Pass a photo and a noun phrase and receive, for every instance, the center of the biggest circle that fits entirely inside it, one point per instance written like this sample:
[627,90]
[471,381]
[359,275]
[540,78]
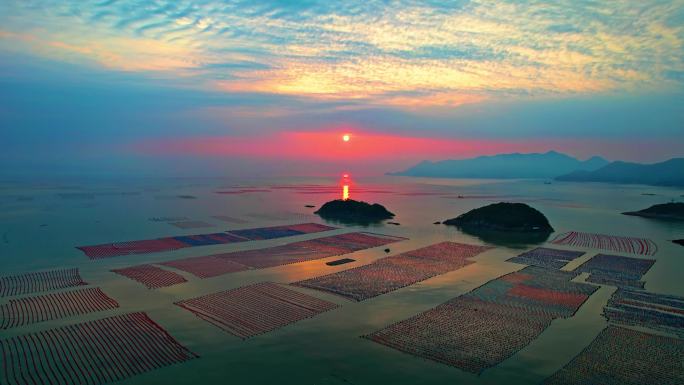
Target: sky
[269,87]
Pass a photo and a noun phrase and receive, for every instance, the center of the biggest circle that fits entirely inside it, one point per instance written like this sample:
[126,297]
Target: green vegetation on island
[672,210]
[354,212]
[503,216]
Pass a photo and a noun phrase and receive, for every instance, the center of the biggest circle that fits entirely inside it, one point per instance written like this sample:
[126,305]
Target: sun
[346,137]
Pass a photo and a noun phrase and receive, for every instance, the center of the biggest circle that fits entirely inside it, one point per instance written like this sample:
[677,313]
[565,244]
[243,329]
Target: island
[353,212]
[679,242]
[517,217]
[514,225]
[672,210]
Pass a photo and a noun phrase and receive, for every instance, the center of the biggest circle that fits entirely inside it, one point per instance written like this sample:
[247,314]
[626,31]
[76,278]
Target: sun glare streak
[346,181]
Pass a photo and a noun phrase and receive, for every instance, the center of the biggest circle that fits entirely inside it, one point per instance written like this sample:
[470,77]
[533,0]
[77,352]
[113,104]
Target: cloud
[369,50]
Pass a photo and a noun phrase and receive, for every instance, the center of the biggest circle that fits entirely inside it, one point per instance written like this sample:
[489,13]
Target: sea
[42,223]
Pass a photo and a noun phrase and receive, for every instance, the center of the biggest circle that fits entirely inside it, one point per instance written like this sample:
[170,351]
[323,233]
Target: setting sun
[345,137]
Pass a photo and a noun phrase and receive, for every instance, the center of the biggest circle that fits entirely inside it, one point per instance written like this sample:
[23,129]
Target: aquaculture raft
[255,309]
[206,266]
[649,310]
[219,264]
[392,273]
[95,352]
[620,356]
[632,245]
[24,311]
[39,281]
[151,276]
[281,231]
[108,250]
[546,257]
[482,328]
[616,270]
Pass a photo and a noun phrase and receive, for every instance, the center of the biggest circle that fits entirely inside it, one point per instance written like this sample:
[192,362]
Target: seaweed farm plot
[622,356]
[219,264]
[482,328]
[281,231]
[108,250]
[275,256]
[95,352]
[151,276]
[650,310]
[131,247]
[206,266]
[392,273]
[255,309]
[349,242]
[29,310]
[616,270]
[546,257]
[39,281]
[633,245]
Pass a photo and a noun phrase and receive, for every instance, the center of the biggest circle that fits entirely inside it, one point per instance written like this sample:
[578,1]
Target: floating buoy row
[624,356]
[546,257]
[39,281]
[255,309]
[224,263]
[108,250]
[392,273]
[151,276]
[95,352]
[29,310]
[482,328]
[632,245]
[616,270]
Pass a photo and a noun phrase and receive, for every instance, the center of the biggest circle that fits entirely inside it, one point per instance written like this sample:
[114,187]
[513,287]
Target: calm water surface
[40,223]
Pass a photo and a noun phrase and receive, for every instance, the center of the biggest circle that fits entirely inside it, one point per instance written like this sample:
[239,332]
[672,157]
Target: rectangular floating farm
[29,310]
[255,309]
[92,353]
[392,273]
[660,312]
[36,282]
[480,329]
[151,276]
[546,257]
[108,250]
[616,270]
[632,245]
[219,264]
[620,356]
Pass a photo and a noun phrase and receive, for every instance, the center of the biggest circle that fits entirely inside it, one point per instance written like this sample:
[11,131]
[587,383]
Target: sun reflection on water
[346,181]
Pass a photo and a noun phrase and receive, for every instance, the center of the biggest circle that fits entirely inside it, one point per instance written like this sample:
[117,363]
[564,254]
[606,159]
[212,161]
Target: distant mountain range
[668,173]
[553,165]
[547,165]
